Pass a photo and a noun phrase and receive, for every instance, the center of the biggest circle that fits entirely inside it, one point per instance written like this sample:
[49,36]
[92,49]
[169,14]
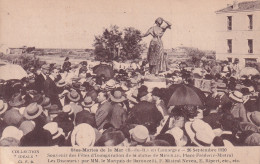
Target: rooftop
[243,6]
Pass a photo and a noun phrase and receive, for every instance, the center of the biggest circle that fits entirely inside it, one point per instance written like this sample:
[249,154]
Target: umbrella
[248,71]
[12,71]
[103,69]
[186,95]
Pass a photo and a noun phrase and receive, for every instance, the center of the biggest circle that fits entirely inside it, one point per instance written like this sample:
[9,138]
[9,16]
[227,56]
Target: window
[229,44]
[250,62]
[250,45]
[250,18]
[229,22]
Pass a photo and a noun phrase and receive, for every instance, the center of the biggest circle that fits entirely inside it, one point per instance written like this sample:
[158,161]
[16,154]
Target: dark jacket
[51,91]
[39,83]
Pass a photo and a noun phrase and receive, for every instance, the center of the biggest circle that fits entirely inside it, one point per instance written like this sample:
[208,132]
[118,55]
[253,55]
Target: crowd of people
[72,106]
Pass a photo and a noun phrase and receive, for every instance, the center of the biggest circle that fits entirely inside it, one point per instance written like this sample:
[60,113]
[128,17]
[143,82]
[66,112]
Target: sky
[75,23]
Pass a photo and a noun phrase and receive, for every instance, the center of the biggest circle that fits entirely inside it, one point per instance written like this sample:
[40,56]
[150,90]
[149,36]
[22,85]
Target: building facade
[238,33]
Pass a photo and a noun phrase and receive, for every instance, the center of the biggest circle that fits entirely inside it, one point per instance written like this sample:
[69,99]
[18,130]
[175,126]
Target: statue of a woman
[155,56]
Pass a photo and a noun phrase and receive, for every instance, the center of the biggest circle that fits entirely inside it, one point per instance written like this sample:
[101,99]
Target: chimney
[235,5]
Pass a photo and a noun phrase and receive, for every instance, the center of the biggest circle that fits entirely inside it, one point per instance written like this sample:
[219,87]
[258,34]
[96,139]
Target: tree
[105,44]
[112,44]
[132,46]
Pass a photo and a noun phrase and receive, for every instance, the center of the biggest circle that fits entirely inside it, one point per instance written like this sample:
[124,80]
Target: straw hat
[74,96]
[3,106]
[32,111]
[88,102]
[53,128]
[83,135]
[236,96]
[117,96]
[254,117]
[27,126]
[16,100]
[140,134]
[61,83]
[200,132]
[13,132]
[67,109]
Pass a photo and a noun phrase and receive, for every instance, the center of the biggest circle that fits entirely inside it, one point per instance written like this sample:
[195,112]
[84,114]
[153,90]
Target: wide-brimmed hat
[73,96]
[32,111]
[221,87]
[83,135]
[54,109]
[53,128]
[254,117]
[13,117]
[253,140]
[88,102]
[200,132]
[117,96]
[13,132]
[110,84]
[61,83]
[236,96]
[3,106]
[178,134]
[27,126]
[16,100]
[46,67]
[67,109]
[140,134]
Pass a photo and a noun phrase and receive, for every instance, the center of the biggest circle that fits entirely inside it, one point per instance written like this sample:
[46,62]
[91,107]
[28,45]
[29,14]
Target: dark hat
[73,96]
[142,91]
[32,111]
[245,91]
[46,103]
[156,92]
[76,85]
[85,117]
[16,100]
[64,122]
[54,109]
[67,58]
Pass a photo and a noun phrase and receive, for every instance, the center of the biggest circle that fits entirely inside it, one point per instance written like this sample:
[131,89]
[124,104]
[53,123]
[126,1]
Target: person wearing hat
[119,111]
[13,117]
[238,109]
[74,101]
[58,137]
[83,135]
[16,101]
[87,103]
[50,88]
[157,94]
[12,132]
[66,65]
[104,109]
[200,133]
[139,135]
[254,117]
[40,77]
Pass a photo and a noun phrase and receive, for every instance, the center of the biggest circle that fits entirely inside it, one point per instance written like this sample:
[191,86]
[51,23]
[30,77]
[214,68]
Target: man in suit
[40,77]
[50,88]
[103,113]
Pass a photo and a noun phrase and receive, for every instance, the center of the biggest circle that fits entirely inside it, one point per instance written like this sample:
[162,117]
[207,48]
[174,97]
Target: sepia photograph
[131,80]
